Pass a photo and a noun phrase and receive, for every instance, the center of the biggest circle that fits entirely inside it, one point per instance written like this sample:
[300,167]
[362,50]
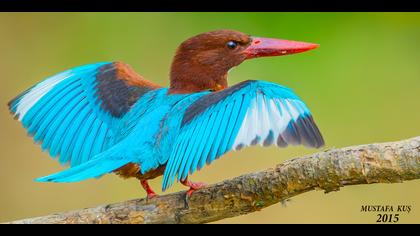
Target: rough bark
[392,162]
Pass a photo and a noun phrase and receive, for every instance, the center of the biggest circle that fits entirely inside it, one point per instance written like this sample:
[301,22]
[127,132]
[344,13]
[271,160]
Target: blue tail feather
[98,166]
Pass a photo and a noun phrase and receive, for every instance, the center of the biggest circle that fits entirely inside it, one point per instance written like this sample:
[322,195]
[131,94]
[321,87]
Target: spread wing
[73,114]
[249,113]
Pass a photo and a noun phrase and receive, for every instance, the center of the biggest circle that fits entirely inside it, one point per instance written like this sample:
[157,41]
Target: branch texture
[329,170]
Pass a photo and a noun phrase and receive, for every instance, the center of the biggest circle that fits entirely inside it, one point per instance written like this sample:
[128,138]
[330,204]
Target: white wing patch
[36,93]
[33,95]
[266,121]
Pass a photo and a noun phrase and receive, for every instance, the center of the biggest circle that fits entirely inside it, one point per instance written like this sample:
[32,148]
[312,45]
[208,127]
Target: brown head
[203,61]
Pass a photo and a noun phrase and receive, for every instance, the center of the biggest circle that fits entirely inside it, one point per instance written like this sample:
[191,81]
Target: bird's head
[203,61]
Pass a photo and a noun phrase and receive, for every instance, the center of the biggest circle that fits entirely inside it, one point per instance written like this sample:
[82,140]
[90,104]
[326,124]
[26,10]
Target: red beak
[266,47]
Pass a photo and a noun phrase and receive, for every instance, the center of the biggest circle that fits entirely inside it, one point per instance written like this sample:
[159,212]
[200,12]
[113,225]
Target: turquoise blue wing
[249,113]
[74,113]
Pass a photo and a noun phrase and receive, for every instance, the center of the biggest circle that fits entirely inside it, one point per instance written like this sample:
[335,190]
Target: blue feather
[169,179]
[211,137]
[42,107]
[97,146]
[50,111]
[186,156]
[62,130]
[195,146]
[214,124]
[88,143]
[76,157]
[91,169]
[208,142]
[62,113]
[200,147]
[233,123]
[71,136]
[183,151]
[220,131]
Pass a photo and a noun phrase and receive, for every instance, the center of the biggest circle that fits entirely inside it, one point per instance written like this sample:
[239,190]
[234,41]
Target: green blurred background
[362,84]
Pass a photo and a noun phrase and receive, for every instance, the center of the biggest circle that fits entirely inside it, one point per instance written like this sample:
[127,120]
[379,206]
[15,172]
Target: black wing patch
[115,91]
[207,101]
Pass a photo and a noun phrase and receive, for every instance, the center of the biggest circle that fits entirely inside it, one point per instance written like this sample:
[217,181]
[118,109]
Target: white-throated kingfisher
[104,117]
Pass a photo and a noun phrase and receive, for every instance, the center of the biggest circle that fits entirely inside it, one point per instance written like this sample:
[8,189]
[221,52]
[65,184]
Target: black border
[209,5]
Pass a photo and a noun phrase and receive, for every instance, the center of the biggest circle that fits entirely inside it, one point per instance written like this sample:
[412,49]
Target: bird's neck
[187,78]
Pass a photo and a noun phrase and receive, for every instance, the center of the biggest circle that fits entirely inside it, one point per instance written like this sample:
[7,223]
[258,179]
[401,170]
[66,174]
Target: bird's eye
[232,44]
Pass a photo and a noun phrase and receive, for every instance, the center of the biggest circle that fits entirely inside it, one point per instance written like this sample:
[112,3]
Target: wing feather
[250,113]
[74,113]
[200,148]
[59,137]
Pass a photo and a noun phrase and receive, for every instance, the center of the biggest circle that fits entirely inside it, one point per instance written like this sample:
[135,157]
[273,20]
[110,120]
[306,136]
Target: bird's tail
[96,167]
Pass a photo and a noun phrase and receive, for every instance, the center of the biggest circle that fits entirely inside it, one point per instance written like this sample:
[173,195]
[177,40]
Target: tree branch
[329,170]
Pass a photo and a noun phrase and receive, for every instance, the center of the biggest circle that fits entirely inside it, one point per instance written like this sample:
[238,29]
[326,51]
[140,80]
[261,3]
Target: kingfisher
[105,118]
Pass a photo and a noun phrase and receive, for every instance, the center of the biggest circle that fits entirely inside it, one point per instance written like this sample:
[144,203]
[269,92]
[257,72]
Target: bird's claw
[151,195]
[194,187]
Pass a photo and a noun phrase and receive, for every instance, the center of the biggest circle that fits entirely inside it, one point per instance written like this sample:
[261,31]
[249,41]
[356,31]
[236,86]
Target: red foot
[193,186]
[150,193]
